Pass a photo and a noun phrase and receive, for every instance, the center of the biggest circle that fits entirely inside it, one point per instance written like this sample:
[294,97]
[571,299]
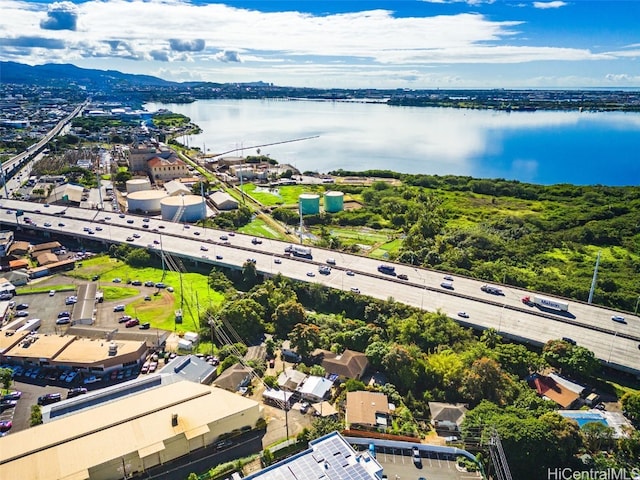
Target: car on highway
[130,221]
[224,237]
[98,229]
[218,257]
[47,224]
[403,276]
[355,289]
[311,274]
[569,340]
[277,260]
[136,235]
[618,318]
[448,278]
[61,224]
[256,241]
[350,273]
[130,239]
[203,248]
[463,314]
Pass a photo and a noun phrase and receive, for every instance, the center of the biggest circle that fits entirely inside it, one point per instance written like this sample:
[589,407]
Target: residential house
[315,389]
[447,416]
[290,379]
[348,364]
[234,378]
[367,410]
[548,388]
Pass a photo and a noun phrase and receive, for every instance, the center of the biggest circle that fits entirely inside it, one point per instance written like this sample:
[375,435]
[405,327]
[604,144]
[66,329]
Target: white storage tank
[145,201]
[138,185]
[333,202]
[183,208]
[309,203]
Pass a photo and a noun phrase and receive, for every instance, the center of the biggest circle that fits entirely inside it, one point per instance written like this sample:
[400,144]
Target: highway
[616,344]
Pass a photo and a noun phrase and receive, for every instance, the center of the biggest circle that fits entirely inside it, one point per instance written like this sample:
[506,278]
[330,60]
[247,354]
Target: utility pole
[593,281]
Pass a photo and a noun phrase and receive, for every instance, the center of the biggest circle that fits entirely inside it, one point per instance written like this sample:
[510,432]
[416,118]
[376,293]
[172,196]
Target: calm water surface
[538,147]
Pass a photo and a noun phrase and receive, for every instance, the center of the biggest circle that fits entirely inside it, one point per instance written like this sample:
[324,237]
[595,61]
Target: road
[591,326]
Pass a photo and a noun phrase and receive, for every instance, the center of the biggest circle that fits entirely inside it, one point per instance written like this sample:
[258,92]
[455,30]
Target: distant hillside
[66,74]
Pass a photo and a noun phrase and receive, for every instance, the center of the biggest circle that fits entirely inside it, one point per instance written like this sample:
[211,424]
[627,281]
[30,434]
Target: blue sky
[338,43]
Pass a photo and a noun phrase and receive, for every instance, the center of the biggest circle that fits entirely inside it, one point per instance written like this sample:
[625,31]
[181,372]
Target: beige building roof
[140,424]
[88,350]
[363,407]
[7,342]
[44,346]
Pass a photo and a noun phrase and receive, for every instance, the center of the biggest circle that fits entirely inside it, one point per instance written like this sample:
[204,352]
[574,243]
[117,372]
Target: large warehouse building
[134,433]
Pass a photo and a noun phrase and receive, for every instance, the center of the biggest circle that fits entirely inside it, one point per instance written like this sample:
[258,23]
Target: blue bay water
[582,148]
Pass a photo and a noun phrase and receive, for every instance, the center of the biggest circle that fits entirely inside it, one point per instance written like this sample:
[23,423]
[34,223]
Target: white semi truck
[546,303]
[298,251]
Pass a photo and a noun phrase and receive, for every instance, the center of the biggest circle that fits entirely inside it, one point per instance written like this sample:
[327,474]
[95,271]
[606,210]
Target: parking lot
[399,464]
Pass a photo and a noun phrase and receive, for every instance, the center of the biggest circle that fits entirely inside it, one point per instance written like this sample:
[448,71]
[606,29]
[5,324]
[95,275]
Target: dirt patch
[164,301]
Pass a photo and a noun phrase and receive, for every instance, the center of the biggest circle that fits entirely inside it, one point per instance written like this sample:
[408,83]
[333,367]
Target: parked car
[63,321]
[6,404]
[118,308]
[14,395]
[5,425]
[74,392]
[22,306]
[132,323]
[145,326]
[22,313]
[52,293]
[49,398]
[124,319]
[64,314]
[149,283]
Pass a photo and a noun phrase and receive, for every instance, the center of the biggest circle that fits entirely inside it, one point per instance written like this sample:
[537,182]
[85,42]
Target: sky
[409,44]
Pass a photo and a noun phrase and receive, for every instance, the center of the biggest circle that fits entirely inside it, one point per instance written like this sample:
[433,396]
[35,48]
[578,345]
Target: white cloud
[369,48]
[546,5]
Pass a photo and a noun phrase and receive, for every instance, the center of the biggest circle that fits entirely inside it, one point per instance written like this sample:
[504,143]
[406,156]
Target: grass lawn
[260,228]
[42,289]
[193,298]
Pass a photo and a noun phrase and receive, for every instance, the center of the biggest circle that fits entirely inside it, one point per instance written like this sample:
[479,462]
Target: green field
[191,292]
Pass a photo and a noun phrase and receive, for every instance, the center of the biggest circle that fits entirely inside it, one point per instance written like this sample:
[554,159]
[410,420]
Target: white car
[463,314]
[355,289]
[52,293]
[277,260]
[618,318]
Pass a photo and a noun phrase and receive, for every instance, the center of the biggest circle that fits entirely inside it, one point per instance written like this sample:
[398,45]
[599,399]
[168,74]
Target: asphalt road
[616,344]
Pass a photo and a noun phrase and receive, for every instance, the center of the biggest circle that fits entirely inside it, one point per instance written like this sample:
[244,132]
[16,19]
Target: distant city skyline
[337,43]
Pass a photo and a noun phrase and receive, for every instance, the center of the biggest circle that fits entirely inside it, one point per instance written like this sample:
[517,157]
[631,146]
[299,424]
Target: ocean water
[541,147]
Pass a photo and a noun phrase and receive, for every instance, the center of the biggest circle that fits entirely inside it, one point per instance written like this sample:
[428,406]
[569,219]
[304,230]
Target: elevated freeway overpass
[615,344]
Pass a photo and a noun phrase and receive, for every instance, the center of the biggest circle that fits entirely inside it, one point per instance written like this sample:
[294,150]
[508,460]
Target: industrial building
[329,457]
[309,203]
[333,201]
[145,201]
[138,184]
[223,201]
[126,436]
[183,208]
[6,239]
